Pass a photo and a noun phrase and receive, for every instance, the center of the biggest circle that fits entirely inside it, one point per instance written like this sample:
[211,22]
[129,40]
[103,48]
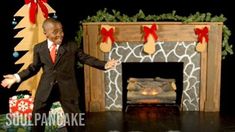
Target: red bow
[151,31]
[34,9]
[105,34]
[202,33]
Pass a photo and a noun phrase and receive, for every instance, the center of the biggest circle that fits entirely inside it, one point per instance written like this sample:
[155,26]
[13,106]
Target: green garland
[116,16]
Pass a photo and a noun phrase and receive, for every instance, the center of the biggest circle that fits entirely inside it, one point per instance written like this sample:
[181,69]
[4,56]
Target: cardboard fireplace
[186,55]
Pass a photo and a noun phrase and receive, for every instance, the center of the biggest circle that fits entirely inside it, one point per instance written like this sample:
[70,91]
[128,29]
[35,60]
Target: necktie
[53,53]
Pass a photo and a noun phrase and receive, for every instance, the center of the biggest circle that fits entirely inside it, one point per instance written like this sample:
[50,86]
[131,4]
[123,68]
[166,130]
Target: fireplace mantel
[169,33]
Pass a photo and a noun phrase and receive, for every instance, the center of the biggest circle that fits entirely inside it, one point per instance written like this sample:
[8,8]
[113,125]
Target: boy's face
[55,33]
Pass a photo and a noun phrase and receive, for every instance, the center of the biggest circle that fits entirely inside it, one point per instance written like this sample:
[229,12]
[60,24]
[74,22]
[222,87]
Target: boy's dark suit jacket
[62,72]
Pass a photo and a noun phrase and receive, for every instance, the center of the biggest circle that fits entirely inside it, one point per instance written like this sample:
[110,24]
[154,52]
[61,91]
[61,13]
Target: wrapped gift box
[21,105]
[56,113]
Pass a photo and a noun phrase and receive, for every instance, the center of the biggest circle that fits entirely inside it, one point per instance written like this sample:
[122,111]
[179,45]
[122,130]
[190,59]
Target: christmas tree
[34,12]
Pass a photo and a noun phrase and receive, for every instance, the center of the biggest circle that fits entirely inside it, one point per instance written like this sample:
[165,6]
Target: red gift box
[21,105]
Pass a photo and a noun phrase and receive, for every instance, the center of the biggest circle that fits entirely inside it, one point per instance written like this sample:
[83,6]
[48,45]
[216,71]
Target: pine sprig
[116,16]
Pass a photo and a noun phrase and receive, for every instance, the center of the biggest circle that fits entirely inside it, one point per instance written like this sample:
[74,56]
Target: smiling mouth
[59,40]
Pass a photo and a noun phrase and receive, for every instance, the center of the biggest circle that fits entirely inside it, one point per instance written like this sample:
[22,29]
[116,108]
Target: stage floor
[160,119]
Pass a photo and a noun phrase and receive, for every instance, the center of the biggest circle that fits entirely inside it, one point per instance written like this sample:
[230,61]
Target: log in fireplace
[151,91]
[147,83]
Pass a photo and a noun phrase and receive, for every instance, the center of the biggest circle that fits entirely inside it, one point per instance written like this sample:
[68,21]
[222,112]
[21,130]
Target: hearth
[152,83]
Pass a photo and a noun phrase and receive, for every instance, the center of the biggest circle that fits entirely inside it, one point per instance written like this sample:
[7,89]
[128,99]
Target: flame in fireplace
[149,91]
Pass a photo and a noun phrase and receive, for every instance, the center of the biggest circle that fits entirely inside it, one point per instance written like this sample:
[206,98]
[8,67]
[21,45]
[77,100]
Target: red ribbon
[151,31]
[105,34]
[202,33]
[34,9]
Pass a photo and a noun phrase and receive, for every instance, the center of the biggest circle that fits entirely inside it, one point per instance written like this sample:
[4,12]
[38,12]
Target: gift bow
[152,30]
[34,9]
[202,33]
[107,33]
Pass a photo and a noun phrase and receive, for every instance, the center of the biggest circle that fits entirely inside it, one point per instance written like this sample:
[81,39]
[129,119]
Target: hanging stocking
[150,38]
[107,37]
[203,39]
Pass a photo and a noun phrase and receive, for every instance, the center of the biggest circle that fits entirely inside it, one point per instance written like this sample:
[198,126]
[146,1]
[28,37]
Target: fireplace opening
[152,83]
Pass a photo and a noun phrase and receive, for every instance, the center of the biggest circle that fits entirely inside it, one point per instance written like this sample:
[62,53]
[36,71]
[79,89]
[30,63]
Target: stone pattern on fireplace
[165,52]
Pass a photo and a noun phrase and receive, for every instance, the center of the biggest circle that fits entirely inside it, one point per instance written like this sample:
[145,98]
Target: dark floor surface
[156,119]
[160,119]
